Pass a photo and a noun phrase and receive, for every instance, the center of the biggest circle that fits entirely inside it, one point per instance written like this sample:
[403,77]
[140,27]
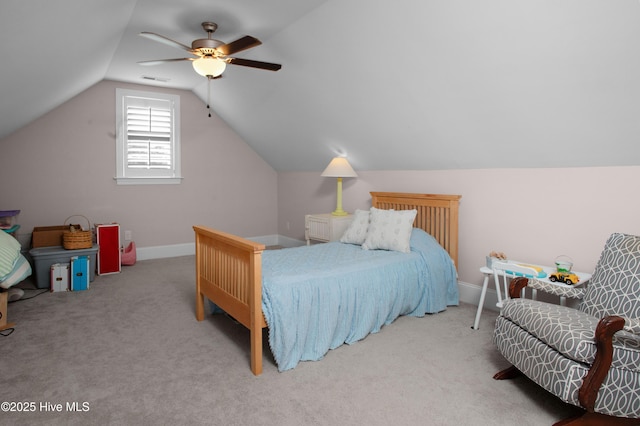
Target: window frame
[135,176]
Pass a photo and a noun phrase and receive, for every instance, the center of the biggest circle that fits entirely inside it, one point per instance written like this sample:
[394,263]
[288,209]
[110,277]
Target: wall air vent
[160,79]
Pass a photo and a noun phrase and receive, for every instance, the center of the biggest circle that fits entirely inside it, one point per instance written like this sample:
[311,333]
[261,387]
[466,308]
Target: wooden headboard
[437,214]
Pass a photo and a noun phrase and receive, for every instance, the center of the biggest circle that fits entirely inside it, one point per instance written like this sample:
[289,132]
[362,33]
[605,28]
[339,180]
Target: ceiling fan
[211,55]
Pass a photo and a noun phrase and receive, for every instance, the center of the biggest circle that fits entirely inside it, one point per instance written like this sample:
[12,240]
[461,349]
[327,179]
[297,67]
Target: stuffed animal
[498,255]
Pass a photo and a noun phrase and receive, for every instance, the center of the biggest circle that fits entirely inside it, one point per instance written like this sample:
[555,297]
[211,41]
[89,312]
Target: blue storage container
[80,273]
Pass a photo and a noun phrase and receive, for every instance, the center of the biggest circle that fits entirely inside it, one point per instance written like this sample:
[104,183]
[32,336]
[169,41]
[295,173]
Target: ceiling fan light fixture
[208,66]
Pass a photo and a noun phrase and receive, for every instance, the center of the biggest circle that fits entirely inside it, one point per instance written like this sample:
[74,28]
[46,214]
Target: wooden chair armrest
[516,285]
[607,327]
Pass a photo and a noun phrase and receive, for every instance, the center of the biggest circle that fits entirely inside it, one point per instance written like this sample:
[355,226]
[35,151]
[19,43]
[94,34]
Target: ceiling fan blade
[164,61]
[254,64]
[165,40]
[243,43]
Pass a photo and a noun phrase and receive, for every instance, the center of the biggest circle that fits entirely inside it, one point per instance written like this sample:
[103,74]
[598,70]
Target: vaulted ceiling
[402,85]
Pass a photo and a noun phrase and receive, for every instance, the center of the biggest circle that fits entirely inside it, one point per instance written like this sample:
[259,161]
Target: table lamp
[339,168]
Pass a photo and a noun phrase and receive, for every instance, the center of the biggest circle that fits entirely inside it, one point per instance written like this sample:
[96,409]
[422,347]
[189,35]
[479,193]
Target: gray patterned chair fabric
[555,345]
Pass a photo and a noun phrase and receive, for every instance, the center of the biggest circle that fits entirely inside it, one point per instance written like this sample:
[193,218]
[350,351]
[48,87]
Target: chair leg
[508,373]
[596,419]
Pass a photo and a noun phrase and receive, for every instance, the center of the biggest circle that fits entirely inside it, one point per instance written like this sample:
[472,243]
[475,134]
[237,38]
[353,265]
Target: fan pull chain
[209,78]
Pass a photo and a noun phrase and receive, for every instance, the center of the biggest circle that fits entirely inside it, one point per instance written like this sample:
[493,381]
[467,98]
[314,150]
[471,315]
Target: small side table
[325,227]
[488,272]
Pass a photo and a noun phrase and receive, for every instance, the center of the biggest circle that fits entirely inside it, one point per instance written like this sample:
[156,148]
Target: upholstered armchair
[589,356]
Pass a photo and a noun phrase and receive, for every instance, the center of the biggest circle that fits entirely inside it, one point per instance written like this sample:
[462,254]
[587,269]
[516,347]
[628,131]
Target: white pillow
[9,252]
[20,271]
[390,230]
[356,233]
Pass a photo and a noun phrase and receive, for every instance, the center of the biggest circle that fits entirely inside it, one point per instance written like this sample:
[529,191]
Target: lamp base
[339,211]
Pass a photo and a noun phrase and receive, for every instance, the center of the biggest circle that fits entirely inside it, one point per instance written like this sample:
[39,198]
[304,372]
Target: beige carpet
[129,351]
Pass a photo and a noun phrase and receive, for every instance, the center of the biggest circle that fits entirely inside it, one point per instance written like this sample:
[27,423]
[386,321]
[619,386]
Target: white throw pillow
[390,230]
[356,233]
[20,271]
[9,252]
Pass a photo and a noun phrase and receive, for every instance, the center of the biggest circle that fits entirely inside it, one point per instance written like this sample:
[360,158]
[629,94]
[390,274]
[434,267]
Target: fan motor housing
[206,46]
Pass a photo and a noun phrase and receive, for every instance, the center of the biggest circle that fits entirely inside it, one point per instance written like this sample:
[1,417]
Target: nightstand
[325,227]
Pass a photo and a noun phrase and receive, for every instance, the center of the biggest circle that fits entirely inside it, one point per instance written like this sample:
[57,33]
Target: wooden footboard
[228,272]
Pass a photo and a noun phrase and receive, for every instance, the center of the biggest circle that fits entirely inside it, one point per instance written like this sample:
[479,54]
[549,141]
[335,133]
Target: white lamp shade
[208,66]
[339,167]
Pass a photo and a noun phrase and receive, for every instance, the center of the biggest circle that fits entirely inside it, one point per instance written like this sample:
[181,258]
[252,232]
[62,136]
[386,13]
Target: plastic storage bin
[8,220]
[44,257]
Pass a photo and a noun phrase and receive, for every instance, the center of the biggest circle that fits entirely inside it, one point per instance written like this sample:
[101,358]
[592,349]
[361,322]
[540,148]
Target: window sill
[147,181]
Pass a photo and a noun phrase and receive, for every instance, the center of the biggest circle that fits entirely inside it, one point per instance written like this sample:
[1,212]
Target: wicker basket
[76,238]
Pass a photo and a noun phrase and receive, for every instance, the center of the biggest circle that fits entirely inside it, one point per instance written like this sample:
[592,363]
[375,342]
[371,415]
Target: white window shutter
[148,138]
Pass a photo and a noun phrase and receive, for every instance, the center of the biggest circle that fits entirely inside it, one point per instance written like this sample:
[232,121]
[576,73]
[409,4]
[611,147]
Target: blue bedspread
[317,298]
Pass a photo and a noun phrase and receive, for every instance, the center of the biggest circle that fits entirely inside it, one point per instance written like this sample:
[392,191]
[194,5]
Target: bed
[288,290]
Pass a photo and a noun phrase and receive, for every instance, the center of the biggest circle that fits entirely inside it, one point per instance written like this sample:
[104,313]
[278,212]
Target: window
[148,138]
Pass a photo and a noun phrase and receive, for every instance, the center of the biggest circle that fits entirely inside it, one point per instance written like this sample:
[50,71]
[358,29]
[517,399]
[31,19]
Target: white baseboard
[188,249]
[160,252]
[469,293]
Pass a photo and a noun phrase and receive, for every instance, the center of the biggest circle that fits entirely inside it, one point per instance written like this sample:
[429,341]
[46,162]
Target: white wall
[64,163]
[532,215]
[448,84]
